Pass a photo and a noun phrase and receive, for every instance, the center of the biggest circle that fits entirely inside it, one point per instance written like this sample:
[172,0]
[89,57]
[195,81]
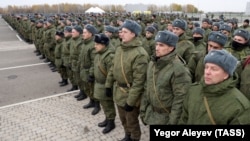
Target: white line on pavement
[10,27]
[19,37]
[34,100]
[22,66]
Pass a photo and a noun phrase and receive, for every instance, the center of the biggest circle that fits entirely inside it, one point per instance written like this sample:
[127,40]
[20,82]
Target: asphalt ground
[33,107]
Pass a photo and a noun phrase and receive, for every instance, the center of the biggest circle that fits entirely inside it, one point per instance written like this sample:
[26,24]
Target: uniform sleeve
[110,78]
[139,76]
[181,82]
[92,58]
[192,65]
[188,53]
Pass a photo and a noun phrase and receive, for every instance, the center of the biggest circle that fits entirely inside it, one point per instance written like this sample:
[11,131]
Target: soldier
[66,57]
[205,26]
[226,29]
[245,77]
[39,36]
[102,63]
[240,44]
[245,25]
[216,40]
[86,60]
[217,101]
[184,47]
[75,49]
[59,37]
[167,82]
[198,41]
[110,31]
[49,46]
[148,41]
[128,74]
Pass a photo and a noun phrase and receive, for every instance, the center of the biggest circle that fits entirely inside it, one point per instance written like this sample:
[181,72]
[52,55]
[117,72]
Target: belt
[124,85]
[86,67]
[161,110]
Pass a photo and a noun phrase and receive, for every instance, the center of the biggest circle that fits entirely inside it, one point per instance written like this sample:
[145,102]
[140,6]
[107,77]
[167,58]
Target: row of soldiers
[149,74]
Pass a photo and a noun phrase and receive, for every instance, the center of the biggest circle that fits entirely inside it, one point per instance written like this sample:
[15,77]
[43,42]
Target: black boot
[82,96]
[42,57]
[104,123]
[97,108]
[126,138]
[74,87]
[65,82]
[46,60]
[90,104]
[110,126]
[38,53]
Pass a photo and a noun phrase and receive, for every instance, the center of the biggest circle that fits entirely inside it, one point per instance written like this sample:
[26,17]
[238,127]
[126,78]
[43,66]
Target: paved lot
[35,108]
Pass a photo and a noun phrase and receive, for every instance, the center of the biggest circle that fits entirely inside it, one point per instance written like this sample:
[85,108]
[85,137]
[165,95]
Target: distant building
[135,7]
[248,9]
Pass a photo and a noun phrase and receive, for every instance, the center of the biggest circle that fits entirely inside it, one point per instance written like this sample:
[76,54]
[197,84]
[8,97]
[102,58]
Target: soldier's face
[214,74]
[99,47]
[108,33]
[178,31]
[162,49]
[126,35]
[149,34]
[86,34]
[213,45]
[75,33]
[240,39]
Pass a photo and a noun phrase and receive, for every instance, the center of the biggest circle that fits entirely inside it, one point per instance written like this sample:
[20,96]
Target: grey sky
[205,5]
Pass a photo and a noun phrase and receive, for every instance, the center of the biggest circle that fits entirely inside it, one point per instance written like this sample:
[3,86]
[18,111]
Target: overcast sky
[204,5]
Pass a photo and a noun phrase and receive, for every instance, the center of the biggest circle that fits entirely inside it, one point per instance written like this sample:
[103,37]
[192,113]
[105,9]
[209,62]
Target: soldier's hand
[128,108]
[109,92]
[91,79]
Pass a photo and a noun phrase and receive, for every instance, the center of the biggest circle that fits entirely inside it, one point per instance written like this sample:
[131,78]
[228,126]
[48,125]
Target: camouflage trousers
[130,122]
[108,107]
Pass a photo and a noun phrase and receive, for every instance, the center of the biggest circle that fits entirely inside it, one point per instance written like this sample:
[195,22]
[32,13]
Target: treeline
[78,8]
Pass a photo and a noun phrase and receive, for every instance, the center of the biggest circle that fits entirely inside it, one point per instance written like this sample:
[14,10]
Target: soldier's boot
[90,104]
[82,96]
[74,87]
[103,123]
[65,82]
[42,57]
[97,108]
[134,140]
[109,127]
[126,138]
[38,53]
[54,69]
[46,60]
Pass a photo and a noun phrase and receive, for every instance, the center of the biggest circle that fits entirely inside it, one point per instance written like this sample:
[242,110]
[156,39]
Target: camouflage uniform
[184,47]
[130,63]
[59,59]
[233,105]
[167,82]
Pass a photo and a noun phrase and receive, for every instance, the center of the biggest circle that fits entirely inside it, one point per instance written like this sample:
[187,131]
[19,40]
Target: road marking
[9,68]
[10,28]
[19,38]
[43,98]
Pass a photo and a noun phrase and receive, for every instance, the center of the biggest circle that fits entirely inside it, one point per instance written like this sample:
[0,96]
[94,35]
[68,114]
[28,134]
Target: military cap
[217,37]
[223,59]
[90,29]
[167,38]
[60,33]
[226,27]
[132,26]
[50,21]
[243,33]
[101,39]
[180,23]
[199,30]
[110,29]
[68,29]
[78,29]
[151,29]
